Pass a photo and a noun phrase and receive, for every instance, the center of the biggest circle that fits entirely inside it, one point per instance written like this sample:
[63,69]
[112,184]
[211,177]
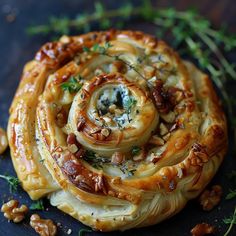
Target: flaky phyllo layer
[115,129]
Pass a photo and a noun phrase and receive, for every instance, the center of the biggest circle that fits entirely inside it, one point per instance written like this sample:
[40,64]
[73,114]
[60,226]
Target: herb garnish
[95,160]
[37,205]
[96,48]
[135,150]
[231,221]
[190,31]
[231,194]
[83,231]
[128,103]
[72,85]
[12,181]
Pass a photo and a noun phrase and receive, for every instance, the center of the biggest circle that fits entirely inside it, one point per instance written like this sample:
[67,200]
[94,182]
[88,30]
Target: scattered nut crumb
[13,212]
[163,129]
[210,198]
[156,140]
[105,132]
[3,141]
[202,229]
[69,231]
[43,227]
[117,158]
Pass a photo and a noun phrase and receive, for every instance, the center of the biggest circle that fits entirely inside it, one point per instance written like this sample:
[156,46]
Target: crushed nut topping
[169,117]
[71,139]
[117,158]
[200,154]
[162,98]
[156,140]
[105,132]
[163,129]
[202,229]
[81,124]
[43,227]
[3,141]
[61,118]
[100,184]
[73,148]
[13,212]
[210,198]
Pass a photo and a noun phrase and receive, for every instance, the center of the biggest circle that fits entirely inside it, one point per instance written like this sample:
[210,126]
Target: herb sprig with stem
[231,221]
[12,181]
[187,27]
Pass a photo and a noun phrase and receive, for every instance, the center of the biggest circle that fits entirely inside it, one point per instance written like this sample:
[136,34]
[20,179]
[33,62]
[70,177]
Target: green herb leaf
[37,205]
[231,194]
[82,232]
[231,221]
[72,85]
[128,103]
[136,150]
[12,181]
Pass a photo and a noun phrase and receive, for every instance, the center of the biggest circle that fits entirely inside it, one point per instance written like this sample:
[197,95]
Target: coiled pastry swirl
[115,129]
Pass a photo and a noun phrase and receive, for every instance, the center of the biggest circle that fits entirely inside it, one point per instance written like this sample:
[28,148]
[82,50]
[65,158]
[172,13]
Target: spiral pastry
[115,129]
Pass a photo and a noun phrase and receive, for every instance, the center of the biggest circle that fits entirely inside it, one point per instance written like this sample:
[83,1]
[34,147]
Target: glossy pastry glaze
[143,133]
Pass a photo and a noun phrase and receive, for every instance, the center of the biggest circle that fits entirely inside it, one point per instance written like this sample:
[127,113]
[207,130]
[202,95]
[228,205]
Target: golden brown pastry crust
[172,98]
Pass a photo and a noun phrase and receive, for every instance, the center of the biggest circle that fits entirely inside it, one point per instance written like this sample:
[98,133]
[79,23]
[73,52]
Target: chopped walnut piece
[156,140]
[81,124]
[210,198]
[117,158]
[13,212]
[163,129]
[61,118]
[202,229]
[3,141]
[105,132]
[169,117]
[43,227]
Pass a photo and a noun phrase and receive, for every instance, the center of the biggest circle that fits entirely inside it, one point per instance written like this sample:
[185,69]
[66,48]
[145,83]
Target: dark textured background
[16,48]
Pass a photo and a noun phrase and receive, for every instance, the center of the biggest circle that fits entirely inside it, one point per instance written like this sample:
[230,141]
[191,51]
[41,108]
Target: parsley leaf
[231,194]
[72,85]
[37,205]
[12,181]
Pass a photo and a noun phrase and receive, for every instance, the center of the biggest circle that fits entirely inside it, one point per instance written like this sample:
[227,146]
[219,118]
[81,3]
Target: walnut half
[43,227]
[210,198]
[13,212]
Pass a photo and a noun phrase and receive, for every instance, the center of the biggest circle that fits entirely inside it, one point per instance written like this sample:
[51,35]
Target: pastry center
[116,106]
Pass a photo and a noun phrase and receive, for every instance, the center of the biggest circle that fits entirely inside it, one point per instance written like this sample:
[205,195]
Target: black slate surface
[16,48]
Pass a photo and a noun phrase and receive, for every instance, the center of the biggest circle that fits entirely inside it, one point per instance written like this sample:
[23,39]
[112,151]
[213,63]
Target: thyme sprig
[190,31]
[12,181]
[231,221]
